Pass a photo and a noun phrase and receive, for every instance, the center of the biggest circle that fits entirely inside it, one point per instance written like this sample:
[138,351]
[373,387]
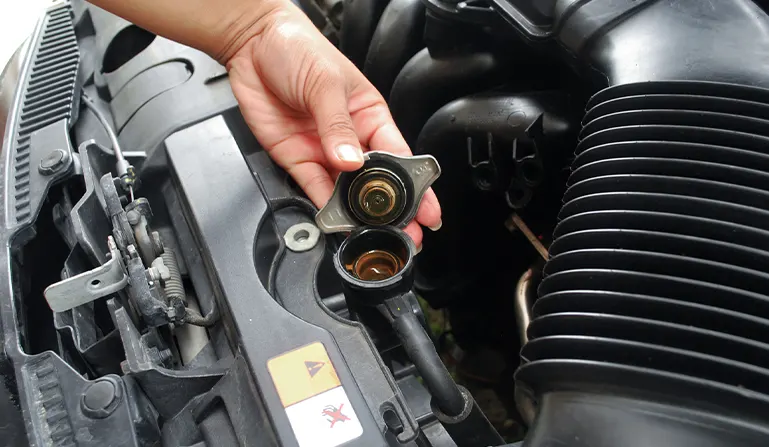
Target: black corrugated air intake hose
[652,324]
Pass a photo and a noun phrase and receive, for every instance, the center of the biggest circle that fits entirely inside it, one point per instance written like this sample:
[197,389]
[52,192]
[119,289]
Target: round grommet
[101,398]
[301,237]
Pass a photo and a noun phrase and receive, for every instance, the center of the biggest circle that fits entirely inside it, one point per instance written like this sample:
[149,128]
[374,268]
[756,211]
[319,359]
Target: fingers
[415,231]
[337,134]
[388,138]
[380,133]
[314,180]
[429,211]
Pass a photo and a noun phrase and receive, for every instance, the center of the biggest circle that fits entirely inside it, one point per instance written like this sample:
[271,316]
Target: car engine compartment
[603,171]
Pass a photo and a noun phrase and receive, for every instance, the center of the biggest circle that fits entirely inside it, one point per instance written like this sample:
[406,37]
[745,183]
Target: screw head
[54,161]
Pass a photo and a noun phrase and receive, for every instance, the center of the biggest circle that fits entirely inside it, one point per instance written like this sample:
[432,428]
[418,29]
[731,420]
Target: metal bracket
[88,286]
[416,173]
[528,169]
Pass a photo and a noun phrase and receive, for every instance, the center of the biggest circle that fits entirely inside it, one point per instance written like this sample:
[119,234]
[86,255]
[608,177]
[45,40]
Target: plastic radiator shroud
[654,307]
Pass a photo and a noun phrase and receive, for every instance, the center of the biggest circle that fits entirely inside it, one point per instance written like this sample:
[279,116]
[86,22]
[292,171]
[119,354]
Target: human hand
[312,109]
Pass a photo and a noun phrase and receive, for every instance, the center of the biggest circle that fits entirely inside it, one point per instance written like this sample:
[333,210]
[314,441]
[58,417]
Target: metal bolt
[101,398]
[157,243]
[158,271]
[132,253]
[133,217]
[55,160]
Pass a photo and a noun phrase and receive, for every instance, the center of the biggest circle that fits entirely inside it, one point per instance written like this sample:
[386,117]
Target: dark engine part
[397,37]
[384,283]
[360,21]
[129,325]
[655,281]
[426,83]
[479,139]
[649,328]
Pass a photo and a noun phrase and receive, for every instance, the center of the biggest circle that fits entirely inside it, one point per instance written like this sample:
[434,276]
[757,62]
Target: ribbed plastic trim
[660,263]
[48,95]
[52,403]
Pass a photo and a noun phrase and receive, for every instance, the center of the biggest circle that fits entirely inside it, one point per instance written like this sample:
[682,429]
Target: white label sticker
[325,420]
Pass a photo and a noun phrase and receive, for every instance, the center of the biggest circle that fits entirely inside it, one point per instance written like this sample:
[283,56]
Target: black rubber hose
[425,84]
[360,18]
[420,349]
[397,38]
[194,317]
[335,303]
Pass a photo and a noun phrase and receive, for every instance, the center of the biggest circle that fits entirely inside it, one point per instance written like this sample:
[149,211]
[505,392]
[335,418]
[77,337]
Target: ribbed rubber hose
[658,272]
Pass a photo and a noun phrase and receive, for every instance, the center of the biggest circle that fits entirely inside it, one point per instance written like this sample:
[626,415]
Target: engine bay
[597,279]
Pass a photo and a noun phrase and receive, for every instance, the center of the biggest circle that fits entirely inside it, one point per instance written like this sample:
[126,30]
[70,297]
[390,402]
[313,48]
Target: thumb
[337,134]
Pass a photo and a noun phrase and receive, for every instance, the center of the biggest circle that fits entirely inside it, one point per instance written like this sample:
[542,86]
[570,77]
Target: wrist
[252,21]
[218,28]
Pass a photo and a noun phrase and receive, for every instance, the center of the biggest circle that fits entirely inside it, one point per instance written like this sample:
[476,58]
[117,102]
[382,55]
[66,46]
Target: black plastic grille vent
[659,272]
[48,95]
[53,406]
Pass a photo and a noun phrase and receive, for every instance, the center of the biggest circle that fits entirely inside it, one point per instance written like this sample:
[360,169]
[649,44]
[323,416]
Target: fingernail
[437,226]
[349,153]
[419,249]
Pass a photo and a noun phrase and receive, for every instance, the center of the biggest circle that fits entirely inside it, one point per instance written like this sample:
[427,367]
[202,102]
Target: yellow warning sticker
[302,373]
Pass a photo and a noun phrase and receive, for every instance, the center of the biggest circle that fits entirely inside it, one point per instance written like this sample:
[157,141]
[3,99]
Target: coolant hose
[393,299]
[452,404]
[421,351]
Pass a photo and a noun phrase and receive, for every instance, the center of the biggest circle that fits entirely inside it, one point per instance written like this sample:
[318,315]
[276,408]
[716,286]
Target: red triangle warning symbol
[313,367]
